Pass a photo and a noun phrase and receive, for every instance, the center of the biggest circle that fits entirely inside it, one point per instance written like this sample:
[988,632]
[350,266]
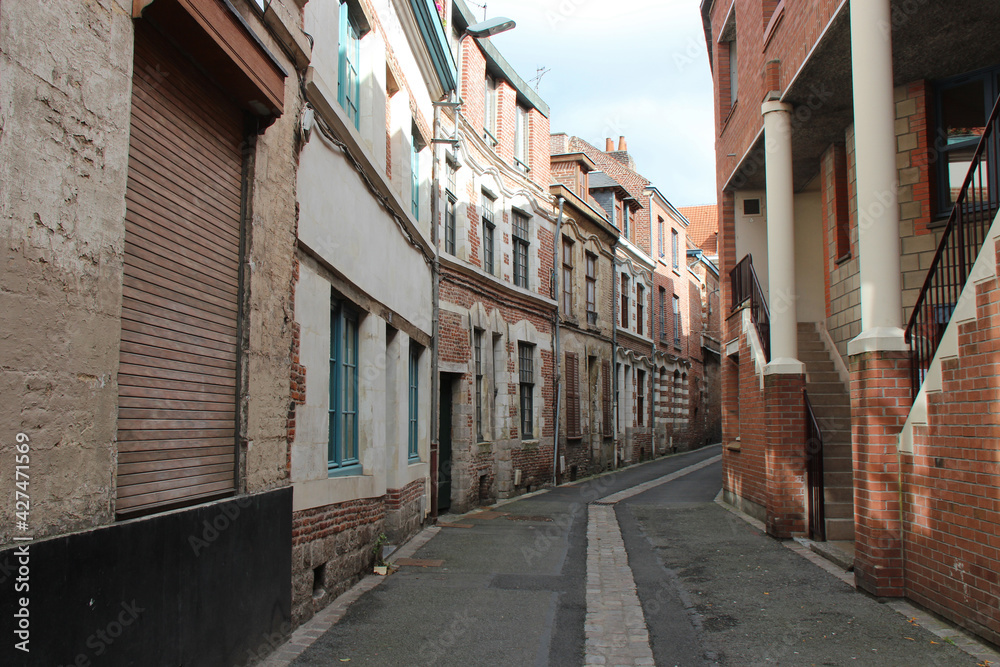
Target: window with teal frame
[413,437]
[343,441]
[348,82]
[415,170]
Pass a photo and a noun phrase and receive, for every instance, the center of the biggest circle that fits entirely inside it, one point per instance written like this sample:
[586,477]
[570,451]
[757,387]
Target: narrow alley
[515,585]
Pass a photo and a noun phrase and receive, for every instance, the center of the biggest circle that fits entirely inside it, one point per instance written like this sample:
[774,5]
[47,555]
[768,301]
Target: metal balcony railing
[746,288]
[963,238]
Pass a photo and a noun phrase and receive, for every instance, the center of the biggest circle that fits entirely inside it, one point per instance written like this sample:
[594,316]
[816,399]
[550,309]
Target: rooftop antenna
[539,73]
[481,6]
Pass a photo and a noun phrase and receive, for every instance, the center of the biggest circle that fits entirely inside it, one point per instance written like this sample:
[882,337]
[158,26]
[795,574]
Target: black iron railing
[814,472]
[971,218]
[746,288]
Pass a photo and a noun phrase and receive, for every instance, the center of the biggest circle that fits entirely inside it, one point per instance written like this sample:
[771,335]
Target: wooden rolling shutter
[572,395]
[177,377]
[606,392]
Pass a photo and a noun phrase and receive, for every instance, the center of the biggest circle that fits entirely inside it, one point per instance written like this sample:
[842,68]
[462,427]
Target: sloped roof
[704,228]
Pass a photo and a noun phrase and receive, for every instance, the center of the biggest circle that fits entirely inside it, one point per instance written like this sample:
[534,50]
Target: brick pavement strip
[615,629]
[615,626]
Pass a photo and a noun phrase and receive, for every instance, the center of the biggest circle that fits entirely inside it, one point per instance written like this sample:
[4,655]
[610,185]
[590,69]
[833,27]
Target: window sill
[940,222]
[530,442]
[414,461]
[772,25]
[355,470]
[733,446]
[843,258]
[729,115]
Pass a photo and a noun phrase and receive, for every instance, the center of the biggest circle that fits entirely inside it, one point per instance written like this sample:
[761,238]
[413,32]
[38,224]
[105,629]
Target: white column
[877,179]
[781,239]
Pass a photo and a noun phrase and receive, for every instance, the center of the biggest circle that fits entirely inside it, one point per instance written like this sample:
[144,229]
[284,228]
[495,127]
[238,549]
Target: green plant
[377,549]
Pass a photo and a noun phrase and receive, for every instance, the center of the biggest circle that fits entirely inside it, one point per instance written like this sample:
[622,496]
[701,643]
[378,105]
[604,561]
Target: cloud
[640,71]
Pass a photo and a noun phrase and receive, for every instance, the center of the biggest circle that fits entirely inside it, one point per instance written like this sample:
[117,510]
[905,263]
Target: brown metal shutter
[177,378]
[572,395]
[606,391]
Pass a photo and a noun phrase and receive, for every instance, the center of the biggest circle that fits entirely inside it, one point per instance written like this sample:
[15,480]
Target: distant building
[660,385]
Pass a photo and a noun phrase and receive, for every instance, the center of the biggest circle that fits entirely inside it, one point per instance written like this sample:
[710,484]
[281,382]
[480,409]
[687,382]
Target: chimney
[622,146]
[609,145]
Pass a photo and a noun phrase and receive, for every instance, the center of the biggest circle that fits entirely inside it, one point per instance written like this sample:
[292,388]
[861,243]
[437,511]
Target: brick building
[496,303]
[862,270]
[585,277]
[148,159]
[660,296]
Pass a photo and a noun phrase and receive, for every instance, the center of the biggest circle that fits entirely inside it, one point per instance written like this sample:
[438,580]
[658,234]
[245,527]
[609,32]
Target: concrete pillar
[781,240]
[877,180]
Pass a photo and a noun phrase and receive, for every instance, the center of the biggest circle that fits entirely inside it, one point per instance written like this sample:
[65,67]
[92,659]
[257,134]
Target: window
[488,229]
[663,313]
[677,320]
[526,366]
[521,133]
[567,277]
[349,83]
[606,396]
[520,250]
[591,288]
[478,352]
[625,312]
[963,106]
[626,222]
[733,74]
[640,396]
[640,306]
[490,109]
[415,172]
[841,202]
[674,249]
[414,436]
[450,218]
[572,396]
[659,223]
[343,409]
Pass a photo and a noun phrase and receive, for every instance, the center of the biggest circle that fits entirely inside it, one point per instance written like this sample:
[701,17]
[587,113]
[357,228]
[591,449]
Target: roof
[496,64]
[704,228]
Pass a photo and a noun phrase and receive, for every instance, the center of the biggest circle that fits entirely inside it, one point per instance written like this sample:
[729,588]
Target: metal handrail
[963,238]
[746,287]
[814,472]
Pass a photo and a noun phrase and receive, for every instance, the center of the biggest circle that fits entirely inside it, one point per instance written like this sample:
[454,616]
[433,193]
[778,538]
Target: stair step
[835,480]
[826,400]
[816,375]
[826,387]
[840,529]
[838,495]
[837,467]
[818,366]
[838,511]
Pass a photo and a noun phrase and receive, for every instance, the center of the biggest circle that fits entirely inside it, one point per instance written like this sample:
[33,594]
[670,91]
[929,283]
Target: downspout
[614,351]
[557,247]
[435,312]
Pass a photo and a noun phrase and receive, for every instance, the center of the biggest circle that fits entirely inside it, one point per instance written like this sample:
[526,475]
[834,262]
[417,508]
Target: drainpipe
[557,247]
[614,350]
[435,311]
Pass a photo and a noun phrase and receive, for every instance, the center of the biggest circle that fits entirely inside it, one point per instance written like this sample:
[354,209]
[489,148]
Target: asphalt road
[714,590]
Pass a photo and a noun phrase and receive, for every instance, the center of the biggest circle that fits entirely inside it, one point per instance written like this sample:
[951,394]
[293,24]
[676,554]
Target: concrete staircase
[831,402]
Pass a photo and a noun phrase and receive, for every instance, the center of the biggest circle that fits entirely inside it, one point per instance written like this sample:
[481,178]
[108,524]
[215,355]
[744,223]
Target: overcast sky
[637,68]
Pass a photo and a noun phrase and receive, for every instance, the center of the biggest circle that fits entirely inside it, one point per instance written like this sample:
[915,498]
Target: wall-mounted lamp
[485,29]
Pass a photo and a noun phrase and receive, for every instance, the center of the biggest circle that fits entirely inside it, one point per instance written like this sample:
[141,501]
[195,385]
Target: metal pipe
[614,349]
[435,312]
[557,247]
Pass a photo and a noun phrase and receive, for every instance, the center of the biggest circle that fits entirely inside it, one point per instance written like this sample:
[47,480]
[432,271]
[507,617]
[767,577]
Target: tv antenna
[539,73]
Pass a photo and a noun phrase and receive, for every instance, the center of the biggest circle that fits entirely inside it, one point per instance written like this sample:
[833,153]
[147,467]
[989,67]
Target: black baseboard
[209,585]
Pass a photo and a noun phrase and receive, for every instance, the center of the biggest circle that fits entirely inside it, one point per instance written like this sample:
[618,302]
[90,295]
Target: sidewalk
[521,584]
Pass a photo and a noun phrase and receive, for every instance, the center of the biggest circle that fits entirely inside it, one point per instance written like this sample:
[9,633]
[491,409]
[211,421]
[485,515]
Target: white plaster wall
[340,220]
[809,284]
[312,423]
[751,235]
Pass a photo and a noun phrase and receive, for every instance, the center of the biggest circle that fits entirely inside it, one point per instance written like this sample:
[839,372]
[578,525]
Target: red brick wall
[951,493]
[745,417]
[880,403]
[786,460]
